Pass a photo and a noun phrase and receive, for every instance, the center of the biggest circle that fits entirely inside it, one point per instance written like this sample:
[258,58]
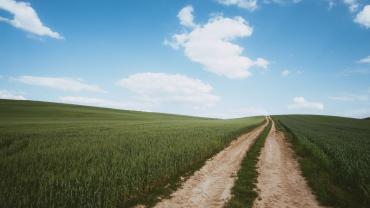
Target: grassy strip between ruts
[320,178]
[244,190]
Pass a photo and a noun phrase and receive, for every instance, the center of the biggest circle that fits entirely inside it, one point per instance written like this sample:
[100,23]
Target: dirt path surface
[211,185]
[280,183]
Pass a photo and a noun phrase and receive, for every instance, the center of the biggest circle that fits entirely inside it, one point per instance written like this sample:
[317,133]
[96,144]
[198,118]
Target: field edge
[320,177]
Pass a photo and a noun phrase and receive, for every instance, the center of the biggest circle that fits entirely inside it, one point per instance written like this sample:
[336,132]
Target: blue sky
[218,58]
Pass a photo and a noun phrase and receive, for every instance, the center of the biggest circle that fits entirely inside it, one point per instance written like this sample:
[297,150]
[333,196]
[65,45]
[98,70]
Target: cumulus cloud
[175,88]
[60,83]
[365,60]
[302,103]
[246,4]
[25,18]
[211,45]
[186,16]
[5,94]
[363,17]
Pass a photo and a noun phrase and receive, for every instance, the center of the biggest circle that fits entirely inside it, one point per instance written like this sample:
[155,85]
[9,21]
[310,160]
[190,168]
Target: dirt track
[211,185]
[280,182]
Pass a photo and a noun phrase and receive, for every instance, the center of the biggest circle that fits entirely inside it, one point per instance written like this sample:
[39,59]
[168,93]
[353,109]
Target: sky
[213,58]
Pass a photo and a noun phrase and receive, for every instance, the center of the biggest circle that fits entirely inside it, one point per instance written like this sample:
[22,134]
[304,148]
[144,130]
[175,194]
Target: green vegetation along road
[56,155]
[334,154]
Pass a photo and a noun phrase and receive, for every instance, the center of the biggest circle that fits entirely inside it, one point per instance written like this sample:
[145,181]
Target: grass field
[334,154]
[54,155]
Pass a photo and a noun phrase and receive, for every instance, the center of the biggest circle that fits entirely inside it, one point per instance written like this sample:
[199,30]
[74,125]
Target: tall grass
[54,155]
[334,154]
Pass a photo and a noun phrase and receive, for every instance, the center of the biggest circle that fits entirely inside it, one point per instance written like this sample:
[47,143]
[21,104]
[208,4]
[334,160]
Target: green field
[334,154]
[55,155]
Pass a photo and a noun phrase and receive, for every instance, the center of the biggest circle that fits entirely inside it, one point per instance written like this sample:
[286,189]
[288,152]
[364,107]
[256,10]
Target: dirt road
[211,185]
[280,182]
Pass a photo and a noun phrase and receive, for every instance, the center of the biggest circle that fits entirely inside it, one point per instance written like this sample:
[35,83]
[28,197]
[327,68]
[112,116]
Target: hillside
[58,155]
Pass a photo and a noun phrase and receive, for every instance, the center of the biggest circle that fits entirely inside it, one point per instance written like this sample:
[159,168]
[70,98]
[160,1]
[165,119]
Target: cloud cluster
[60,83]
[26,18]
[186,16]
[173,88]
[5,94]
[211,44]
[363,17]
[302,103]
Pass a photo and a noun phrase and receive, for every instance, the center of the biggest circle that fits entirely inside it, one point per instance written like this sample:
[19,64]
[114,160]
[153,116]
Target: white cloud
[245,4]
[262,63]
[5,94]
[210,45]
[25,18]
[186,16]
[60,83]
[302,103]
[363,17]
[365,60]
[285,73]
[175,88]
[353,5]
